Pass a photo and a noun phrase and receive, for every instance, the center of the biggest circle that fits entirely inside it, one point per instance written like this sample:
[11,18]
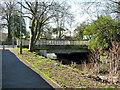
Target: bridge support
[43,52]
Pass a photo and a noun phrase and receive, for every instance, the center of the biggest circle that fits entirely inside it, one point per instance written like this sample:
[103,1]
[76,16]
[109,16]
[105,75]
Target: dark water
[78,58]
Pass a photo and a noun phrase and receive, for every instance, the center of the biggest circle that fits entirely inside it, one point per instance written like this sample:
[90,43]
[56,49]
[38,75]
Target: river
[69,59]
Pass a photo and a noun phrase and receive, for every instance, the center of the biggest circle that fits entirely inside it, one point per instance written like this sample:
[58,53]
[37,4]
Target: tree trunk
[9,34]
[31,45]
[59,30]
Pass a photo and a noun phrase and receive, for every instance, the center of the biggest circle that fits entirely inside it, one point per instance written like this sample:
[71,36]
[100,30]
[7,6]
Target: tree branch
[23,6]
[28,17]
[29,7]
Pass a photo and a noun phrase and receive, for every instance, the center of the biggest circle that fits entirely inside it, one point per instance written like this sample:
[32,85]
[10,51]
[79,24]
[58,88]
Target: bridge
[58,46]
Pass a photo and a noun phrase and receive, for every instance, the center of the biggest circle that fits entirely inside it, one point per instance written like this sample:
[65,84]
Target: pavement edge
[50,81]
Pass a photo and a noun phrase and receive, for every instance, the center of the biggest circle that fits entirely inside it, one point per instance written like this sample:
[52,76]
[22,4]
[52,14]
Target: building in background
[3,36]
[0,35]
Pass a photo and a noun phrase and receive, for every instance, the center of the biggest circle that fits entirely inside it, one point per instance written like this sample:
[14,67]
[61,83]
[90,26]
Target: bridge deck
[68,51]
[58,46]
[53,42]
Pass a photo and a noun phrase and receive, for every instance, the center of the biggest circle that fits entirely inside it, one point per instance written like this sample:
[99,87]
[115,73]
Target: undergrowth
[65,76]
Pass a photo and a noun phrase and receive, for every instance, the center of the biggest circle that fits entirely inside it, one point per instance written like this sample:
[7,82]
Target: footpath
[16,74]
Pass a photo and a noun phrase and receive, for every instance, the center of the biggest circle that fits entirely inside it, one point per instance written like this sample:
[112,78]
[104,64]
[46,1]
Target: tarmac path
[15,74]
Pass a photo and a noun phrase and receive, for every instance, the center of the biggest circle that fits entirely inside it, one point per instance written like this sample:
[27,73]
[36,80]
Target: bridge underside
[67,51]
[64,49]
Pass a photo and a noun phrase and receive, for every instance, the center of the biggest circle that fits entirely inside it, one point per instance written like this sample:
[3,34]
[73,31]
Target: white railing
[53,42]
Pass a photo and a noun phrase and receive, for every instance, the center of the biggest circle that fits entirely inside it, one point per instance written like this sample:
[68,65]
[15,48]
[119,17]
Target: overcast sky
[81,9]
[85,10]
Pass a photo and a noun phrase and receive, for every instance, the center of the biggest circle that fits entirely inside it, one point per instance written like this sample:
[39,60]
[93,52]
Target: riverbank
[62,75]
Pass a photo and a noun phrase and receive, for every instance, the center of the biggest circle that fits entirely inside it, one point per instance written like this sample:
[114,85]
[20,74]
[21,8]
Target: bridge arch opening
[78,58]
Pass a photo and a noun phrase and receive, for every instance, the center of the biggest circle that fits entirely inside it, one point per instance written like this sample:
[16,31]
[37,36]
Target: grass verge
[66,77]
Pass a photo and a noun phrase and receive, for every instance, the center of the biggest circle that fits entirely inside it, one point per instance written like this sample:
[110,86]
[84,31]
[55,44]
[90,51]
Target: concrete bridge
[53,42]
[58,46]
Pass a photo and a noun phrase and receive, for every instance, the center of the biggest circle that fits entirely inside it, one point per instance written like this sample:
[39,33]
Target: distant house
[55,33]
[0,35]
[86,37]
[3,36]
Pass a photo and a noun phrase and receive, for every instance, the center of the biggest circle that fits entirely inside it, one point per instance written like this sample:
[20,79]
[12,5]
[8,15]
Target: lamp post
[21,29]
[13,38]
[13,28]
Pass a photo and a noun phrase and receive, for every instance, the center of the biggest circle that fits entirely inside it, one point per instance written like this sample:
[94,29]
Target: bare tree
[62,15]
[7,13]
[41,13]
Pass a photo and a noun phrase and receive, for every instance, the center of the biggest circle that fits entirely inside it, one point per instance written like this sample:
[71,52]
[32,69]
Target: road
[7,46]
[0,69]
[15,74]
[1,46]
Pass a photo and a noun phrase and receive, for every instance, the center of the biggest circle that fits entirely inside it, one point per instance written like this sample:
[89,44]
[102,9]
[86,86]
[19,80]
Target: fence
[53,42]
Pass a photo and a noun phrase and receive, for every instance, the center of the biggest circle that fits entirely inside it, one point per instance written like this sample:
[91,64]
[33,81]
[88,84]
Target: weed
[35,54]
[113,87]
[16,50]
[76,69]
[63,85]
[56,64]
[79,87]
[36,64]
[40,68]
[50,62]
[74,73]
[70,67]
[84,80]
[57,79]
[45,59]
[20,56]
[99,84]
[39,61]
[25,50]
[86,72]
[106,86]
[46,68]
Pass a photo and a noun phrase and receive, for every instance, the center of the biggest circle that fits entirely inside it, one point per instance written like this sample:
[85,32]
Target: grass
[17,50]
[65,76]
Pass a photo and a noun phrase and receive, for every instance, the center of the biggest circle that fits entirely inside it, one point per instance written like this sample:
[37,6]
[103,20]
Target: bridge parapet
[58,46]
[53,42]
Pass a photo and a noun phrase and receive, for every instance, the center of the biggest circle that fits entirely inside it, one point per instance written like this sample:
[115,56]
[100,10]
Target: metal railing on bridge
[53,42]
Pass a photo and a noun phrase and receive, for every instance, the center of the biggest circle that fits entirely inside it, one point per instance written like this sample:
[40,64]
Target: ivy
[102,31]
